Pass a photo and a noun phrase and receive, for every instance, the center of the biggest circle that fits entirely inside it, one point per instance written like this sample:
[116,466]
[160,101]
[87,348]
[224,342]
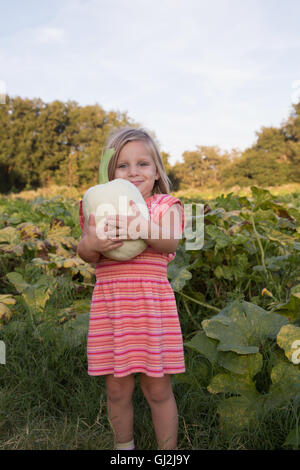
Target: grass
[48,401]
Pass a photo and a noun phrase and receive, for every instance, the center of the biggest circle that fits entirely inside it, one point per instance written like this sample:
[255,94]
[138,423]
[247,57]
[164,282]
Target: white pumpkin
[112,198]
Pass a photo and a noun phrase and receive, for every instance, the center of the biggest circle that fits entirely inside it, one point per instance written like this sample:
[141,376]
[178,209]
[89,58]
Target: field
[239,305]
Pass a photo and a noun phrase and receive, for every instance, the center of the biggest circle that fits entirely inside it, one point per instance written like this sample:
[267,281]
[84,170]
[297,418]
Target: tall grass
[48,401]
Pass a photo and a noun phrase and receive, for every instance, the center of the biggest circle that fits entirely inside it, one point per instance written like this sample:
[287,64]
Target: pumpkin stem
[103,167]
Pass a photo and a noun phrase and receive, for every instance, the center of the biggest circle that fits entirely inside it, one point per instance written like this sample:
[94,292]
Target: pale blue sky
[194,72]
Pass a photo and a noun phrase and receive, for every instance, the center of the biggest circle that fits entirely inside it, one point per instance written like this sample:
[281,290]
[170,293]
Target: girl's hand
[132,227]
[103,244]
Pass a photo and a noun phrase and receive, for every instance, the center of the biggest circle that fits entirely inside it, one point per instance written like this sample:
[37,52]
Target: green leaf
[264,218]
[241,364]
[240,266]
[74,332]
[18,281]
[219,236]
[243,327]
[245,409]
[275,235]
[291,309]
[7,299]
[178,270]
[238,364]
[225,272]
[71,334]
[233,384]
[236,271]
[9,235]
[260,196]
[35,295]
[239,413]
[281,210]
[78,307]
[179,280]
[229,202]
[285,386]
[203,345]
[10,241]
[240,239]
[5,312]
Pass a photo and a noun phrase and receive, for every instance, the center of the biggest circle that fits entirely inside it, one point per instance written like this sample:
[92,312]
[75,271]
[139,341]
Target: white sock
[125,445]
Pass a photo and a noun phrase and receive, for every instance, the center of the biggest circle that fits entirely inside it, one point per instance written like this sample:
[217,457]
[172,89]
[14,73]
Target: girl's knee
[119,388]
[157,390]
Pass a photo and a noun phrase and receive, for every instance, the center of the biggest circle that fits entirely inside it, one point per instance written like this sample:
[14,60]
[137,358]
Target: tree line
[61,143]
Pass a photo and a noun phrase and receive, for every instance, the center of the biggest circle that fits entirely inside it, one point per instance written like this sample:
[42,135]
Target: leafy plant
[5,311]
[238,302]
[241,343]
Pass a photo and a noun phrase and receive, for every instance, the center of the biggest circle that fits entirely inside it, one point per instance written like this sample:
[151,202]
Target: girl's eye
[122,165]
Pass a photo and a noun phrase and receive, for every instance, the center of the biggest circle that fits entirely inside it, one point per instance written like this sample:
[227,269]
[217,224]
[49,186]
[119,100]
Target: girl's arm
[165,235]
[90,246]
[85,251]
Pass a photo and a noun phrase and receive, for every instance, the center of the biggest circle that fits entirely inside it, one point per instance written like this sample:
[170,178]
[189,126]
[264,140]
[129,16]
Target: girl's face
[136,165]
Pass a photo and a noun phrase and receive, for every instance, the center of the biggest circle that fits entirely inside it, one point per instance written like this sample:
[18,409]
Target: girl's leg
[119,406]
[158,393]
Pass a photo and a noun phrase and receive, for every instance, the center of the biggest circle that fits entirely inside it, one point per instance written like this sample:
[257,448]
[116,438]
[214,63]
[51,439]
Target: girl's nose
[133,170]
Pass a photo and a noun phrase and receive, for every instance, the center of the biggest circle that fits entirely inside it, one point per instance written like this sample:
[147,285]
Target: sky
[193,72]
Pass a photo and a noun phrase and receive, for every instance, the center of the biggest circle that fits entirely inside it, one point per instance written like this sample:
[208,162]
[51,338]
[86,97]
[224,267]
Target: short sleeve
[81,216]
[162,203]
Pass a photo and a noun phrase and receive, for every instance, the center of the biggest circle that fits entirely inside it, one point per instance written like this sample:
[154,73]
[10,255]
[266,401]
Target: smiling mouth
[136,182]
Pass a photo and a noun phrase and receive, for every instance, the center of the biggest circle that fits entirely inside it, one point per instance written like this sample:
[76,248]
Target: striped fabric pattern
[134,325]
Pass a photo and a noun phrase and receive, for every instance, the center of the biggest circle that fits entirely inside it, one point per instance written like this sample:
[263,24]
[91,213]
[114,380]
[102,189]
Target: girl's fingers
[92,220]
[116,239]
[111,246]
[115,219]
[116,234]
[135,207]
[114,245]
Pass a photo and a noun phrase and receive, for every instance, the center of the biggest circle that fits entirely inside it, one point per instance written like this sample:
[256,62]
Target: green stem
[200,303]
[190,315]
[103,167]
[260,246]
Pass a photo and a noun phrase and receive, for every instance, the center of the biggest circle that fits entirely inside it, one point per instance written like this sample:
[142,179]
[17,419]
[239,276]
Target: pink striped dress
[134,324]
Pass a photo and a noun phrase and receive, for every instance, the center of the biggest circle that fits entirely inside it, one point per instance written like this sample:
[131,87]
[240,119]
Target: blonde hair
[120,137]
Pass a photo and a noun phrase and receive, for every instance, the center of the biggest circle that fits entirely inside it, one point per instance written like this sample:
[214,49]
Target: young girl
[134,325]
